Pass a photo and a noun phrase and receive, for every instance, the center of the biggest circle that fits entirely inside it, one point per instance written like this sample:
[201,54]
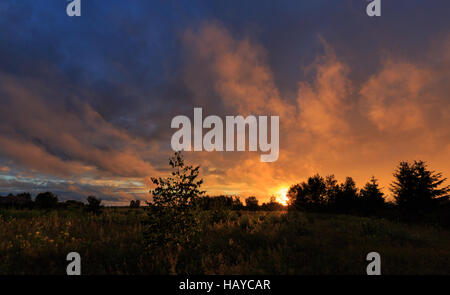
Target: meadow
[233,242]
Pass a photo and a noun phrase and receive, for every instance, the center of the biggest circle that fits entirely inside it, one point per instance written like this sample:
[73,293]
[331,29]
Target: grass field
[37,242]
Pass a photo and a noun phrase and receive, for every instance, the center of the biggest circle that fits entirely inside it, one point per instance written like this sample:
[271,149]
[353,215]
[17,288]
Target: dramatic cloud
[65,137]
[395,97]
[234,70]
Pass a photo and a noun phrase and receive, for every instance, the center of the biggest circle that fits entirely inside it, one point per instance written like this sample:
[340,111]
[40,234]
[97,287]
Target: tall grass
[233,242]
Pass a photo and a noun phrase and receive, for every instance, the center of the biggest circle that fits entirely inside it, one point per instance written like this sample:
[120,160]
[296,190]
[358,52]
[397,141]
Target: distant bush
[219,203]
[251,203]
[135,203]
[94,205]
[273,205]
[72,204]
[46,200]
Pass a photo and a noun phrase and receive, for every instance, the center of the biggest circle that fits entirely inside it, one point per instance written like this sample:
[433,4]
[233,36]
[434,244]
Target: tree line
[48,201]
[234,203]
[418,194]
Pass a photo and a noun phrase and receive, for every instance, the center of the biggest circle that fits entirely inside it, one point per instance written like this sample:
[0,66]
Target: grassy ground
[37,242]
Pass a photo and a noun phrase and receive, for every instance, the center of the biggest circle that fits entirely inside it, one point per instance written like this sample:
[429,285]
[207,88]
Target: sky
[86,102]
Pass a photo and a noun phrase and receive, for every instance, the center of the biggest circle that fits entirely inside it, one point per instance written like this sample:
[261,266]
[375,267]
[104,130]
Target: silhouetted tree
[332,189]
[23,200]
[251,203]
[346,199]
[46,200]
[310,195]
[315,191]
[416,188]
[293,196]
[371,197]
[94,205]
[237,204]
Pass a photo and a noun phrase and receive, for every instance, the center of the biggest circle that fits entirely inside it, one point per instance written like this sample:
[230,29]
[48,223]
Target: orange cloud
[69,140]
[234,70]
[340,126]
[395,97]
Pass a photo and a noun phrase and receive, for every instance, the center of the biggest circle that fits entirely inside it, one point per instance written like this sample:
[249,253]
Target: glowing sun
[281,195]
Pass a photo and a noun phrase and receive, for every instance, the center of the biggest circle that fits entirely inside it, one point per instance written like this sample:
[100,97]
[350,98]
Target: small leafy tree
[173,219]
[94,205]
[416,188]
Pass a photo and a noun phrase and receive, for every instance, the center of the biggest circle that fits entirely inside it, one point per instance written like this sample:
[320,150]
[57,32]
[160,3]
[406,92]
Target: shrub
[135,203]
[94,205]
[251,203]
[72,204]
[46,200]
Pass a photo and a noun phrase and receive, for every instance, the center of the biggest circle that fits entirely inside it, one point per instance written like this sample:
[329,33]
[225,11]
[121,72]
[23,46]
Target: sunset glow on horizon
[281,196]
